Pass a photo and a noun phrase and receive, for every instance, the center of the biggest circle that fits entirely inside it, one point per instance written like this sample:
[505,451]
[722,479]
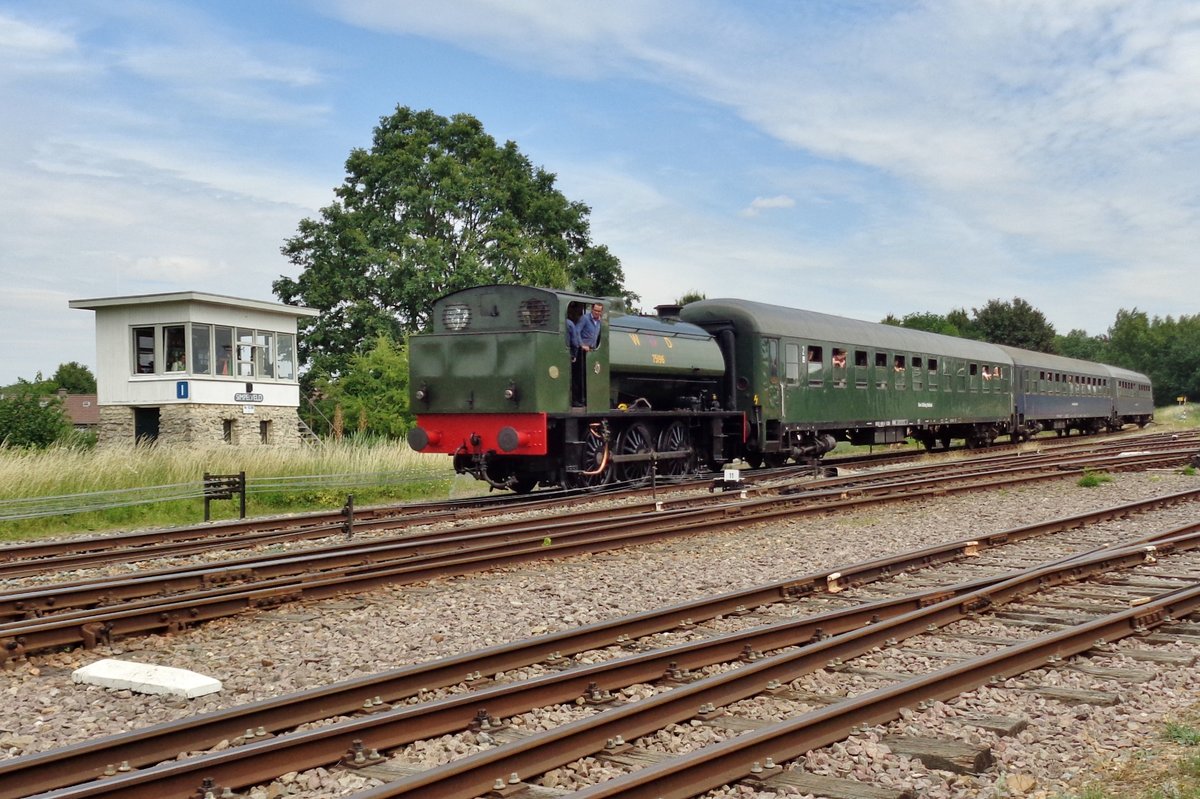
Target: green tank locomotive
[493,386]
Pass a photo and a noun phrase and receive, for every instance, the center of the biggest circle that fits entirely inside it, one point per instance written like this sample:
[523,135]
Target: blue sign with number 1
[181,389]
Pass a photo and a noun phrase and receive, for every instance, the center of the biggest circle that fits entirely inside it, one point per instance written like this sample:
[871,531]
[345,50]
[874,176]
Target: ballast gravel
[304,645]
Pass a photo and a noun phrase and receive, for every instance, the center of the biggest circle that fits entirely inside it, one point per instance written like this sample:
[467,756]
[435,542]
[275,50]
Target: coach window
[881,369]
[918,375]
[932,374]
[860,368]
[900,370]
[816,361]
[773,360]
[791,363]
[838,363]
[245,352]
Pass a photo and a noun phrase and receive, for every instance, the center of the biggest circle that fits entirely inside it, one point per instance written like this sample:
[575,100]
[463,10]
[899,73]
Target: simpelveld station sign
[242,397]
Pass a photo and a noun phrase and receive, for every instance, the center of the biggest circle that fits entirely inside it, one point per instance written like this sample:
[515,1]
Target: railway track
[813,623]
[17,560]
[58,557]
[101,610]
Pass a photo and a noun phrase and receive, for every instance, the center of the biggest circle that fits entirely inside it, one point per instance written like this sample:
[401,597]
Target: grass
[1092,479]
[396,472]
[1167,769]
[77,470]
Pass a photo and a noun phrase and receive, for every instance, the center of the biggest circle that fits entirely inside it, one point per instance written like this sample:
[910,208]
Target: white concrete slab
[146,678]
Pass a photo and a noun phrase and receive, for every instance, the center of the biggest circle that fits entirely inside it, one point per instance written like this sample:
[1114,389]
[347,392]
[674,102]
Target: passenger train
[717,380]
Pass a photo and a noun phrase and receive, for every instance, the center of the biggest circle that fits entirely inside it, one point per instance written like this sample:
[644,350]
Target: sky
[851,157]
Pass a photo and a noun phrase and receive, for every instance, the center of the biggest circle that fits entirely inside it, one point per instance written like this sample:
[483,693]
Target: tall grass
[396,471]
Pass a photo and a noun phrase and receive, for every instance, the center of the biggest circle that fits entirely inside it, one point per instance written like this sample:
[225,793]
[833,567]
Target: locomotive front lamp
[511,393]
[456,317]
[423,393]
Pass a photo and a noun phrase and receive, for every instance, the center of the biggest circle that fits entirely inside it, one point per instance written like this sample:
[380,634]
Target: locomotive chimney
[667,311]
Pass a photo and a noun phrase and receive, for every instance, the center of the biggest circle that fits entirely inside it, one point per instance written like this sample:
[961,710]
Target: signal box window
[201,349]
[223,348]
[245,352]
[264,354]
[286,352]
[143,350]
[173,346]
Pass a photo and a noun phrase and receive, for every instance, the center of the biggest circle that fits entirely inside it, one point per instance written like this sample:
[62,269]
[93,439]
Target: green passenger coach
[805,380]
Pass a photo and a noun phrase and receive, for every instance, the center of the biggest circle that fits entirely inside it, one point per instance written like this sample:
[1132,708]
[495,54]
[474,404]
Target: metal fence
[94,501]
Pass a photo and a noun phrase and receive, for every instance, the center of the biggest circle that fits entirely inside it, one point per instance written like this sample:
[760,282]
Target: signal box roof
[197,297]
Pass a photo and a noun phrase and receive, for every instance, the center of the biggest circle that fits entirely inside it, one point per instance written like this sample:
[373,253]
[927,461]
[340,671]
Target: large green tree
[1016,323]
[75,378]
[1165,349]
[1078,344]
[433,206]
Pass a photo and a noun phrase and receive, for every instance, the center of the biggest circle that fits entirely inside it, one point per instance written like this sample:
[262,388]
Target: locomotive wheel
[596,465]
[675,438]
[775,459]
[753,460]
[635,440]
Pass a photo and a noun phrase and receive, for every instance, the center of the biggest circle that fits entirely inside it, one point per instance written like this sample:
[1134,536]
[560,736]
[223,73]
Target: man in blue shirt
[589,329]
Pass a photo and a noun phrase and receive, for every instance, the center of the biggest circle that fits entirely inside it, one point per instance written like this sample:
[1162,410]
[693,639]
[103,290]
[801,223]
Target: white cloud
[759,204]
[26,40]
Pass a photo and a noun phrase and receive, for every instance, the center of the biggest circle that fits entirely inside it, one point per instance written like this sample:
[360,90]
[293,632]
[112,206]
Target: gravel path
[300,646]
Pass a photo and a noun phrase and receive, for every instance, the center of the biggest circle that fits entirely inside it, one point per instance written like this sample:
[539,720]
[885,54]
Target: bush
[1093,479]
[30,420]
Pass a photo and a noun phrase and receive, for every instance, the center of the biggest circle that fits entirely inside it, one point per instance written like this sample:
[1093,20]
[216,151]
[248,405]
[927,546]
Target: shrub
[1093,479]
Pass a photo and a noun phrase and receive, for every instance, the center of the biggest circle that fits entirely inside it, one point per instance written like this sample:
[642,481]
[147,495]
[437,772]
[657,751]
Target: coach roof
[776,320]
[1054,363]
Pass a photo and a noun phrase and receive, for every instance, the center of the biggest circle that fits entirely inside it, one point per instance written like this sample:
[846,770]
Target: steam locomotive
[717,380]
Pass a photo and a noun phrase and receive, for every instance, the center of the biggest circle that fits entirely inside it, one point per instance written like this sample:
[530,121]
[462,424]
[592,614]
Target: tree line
[1166,349]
